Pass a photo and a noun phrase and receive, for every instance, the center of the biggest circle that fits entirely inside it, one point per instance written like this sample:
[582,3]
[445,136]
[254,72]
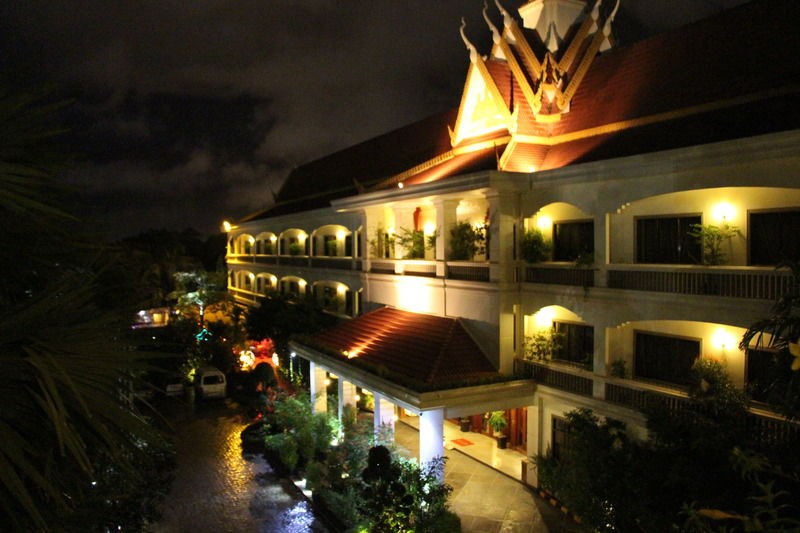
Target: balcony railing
[468,271]
[560,275]
[420,268]
[339,263]
[742,282]
[566,380]
[293,260]
[760,426]
[381,267]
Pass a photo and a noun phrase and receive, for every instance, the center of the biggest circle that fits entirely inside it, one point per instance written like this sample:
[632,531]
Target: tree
[197,291]
[279,316]
[65,436]
[781,332]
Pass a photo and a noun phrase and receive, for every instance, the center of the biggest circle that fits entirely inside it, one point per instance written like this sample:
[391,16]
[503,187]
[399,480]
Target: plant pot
[464,423]
[502,442]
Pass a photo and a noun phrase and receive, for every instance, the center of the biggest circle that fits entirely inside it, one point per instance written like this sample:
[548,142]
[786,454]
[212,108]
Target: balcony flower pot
[502,442]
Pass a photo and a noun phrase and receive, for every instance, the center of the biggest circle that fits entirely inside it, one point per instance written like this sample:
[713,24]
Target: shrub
[534,248]
[296,248]
[466,241]
[412,242]
[285,448]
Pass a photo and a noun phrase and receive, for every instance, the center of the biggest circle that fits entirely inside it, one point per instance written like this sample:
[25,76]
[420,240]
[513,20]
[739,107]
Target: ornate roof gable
[547,80]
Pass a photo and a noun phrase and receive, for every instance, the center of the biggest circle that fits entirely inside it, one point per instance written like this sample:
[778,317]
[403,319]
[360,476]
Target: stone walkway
[489,501]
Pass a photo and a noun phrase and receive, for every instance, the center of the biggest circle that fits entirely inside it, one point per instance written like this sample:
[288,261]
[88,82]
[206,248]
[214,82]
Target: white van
[210,383]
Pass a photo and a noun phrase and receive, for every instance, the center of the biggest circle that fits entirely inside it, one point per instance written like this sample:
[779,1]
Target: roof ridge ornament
[507,19]
[473,52]
[495,32]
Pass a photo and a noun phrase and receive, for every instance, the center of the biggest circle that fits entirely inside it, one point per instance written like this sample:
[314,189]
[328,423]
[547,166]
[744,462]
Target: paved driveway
[219,490]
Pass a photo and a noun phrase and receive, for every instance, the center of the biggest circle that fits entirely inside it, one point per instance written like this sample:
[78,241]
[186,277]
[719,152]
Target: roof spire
[507,20]
[473,52]
[495,32]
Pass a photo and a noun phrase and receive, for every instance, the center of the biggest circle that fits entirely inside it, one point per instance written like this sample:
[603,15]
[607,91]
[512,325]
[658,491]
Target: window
[664,357]
[577,343]
[348,246]
[666,240]
[767,372]
[774,237]
[572,239]
[561,438]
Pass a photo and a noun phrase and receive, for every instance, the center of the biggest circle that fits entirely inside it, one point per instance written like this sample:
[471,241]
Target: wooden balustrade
[560,275]
[745,283]
[478,272]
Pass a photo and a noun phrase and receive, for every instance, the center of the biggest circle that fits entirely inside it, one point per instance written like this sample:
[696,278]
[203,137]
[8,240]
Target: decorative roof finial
[507,20]
[495,32]
[607,27]
[473,52]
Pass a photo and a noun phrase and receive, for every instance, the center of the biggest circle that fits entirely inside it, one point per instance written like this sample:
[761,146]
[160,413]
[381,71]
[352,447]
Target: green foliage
[331,247]
[296,248]
[534,248]
[278,317]
[781,332]
[412,242]
[770,505]
[541,345]
[618,484]
[498,421]
[712,238]
[618,369]
[595,474]
[64,353]
[285,447]
[466,241]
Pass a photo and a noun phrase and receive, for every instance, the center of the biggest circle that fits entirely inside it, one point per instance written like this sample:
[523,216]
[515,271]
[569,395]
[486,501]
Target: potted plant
[296,248]
[412,242]
[464,423]
[534,247]
[498,423]
[466,241]
[712,238]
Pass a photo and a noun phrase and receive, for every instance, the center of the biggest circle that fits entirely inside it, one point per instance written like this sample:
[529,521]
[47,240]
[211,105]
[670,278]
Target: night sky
[191,112]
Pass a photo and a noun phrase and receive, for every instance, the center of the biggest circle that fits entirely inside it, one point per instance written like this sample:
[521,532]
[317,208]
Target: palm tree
[63,424]
[781,332]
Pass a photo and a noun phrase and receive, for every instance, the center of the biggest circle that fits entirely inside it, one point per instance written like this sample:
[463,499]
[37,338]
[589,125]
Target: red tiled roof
[425,348]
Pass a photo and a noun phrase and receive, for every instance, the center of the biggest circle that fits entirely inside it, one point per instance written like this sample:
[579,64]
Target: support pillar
[445,220]
[384,415]
[347,395]
[317,388]
[599,361]
[431,437]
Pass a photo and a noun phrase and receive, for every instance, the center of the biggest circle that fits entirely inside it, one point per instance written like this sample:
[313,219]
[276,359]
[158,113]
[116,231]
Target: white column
[502,219]
[317,388]
[384,414]
[347,395]
[431,437]
[534,441]
[445,220]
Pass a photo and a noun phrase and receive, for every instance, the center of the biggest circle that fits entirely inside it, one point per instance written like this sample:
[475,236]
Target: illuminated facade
[612,155]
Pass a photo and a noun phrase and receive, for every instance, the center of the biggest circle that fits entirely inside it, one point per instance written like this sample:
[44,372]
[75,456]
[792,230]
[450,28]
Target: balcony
[567,379]
[735,282]
[559,274]
[763,426]
[337,263]
[467,271]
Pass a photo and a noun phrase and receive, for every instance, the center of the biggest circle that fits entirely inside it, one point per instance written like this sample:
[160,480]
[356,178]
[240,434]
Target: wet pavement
[217,489]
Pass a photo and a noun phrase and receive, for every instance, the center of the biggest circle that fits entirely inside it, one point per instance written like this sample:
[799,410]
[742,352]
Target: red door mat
[462,442]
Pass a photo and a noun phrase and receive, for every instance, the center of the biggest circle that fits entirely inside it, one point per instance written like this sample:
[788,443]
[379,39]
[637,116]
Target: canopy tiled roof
[424,348]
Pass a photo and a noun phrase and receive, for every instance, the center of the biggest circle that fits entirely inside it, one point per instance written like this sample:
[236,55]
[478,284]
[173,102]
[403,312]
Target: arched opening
[554,333]
[265,243]
[293,286]
[332,240]
[293,242]
[265,283]
[757,226]
[566,233]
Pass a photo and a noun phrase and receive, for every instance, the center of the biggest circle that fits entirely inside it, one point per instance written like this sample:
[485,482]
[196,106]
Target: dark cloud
[191,112]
